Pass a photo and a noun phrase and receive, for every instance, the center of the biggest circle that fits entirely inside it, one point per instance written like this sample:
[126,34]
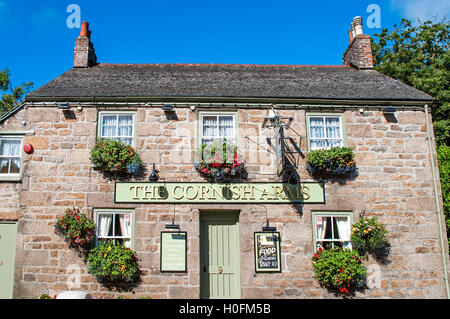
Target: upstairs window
[10,156]
[118,126]
[217,127]
[325,131]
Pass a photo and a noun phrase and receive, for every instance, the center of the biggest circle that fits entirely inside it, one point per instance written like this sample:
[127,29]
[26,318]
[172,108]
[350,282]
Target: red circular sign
[28,148]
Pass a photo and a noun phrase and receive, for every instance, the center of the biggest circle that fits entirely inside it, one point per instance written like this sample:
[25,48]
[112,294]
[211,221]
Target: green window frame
[115,229]
[100,124]
[330,224]
[9,160]
[324,116]
[204,115]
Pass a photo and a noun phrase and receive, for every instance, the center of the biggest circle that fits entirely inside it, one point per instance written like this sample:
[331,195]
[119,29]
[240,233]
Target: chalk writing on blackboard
[267,251]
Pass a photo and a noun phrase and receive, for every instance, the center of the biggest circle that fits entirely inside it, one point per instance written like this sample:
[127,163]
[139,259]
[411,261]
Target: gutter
[12,112]
[438,205]
[230,100]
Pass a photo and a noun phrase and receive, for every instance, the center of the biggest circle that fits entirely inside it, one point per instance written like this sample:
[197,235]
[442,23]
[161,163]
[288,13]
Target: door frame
[211,215]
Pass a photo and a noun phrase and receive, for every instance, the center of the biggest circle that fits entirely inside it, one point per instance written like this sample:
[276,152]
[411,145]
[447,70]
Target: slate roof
[338,82]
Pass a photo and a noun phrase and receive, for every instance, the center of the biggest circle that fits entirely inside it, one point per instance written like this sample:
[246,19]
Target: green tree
[418,55]
[11,95]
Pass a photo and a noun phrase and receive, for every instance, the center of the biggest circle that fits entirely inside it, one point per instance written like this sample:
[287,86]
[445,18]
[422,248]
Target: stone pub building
[165,112]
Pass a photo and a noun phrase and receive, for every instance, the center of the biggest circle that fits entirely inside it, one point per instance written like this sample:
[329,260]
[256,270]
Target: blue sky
[37,45]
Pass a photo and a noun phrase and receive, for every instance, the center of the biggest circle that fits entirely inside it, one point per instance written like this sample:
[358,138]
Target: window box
[116,156]
[337,161]
[219,160]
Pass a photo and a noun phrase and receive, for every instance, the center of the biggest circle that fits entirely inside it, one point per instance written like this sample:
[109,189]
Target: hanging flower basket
[339,270]
[219,158]
[114,265]
[115,156]
[368,235]
[76,228]
[337,161]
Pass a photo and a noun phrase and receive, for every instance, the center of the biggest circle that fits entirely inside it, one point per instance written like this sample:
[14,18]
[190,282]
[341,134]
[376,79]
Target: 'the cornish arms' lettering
[219,193]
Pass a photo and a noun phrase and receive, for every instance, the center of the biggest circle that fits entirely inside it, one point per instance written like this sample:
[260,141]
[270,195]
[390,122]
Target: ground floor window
[331,229]
[115,225]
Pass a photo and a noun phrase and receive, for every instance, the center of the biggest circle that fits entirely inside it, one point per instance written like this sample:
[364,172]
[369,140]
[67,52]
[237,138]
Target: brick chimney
[84,56]
[359,51]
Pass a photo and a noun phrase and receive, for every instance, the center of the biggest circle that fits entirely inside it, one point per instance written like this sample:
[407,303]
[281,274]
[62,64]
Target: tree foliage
[10,95]
[418,55]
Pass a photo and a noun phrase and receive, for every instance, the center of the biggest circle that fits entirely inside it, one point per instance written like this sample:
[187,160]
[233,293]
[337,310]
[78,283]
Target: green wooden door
[219,255]
[8,233]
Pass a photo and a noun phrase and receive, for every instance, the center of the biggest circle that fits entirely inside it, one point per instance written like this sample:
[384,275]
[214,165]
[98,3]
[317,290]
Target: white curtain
[109,125]
[316,128]
[10,151]
[333,128]
[343,227]
[125,227]
[105,221]
[226,127]
[321,228]
[125,125]
[209,128]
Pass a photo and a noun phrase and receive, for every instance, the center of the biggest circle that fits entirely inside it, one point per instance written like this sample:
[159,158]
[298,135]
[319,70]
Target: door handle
[1,263]
[220,269]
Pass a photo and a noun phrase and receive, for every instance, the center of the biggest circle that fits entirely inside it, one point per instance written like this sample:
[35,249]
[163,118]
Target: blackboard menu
[267,252]
[173,252]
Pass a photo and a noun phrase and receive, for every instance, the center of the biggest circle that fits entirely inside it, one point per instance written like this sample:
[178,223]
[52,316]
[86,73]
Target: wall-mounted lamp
[269,228]
[361,110]
[290,175]
[64,106]
[389,110]
[154,175]
[219,176]
[173,225]
[167,108]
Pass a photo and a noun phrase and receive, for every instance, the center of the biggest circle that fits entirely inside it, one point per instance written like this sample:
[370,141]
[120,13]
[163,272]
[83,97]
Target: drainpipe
[438,204]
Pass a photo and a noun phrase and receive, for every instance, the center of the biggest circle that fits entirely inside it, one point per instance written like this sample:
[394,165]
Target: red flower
[316,256]
[320,249]
[78,217]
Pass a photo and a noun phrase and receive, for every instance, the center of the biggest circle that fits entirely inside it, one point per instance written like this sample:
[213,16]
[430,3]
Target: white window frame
[13,176]
[324,118]
[117,113]
[114,212]
[218,115]
[333,240]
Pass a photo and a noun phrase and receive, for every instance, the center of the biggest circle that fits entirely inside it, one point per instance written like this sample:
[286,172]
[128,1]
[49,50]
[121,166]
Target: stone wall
[394,184]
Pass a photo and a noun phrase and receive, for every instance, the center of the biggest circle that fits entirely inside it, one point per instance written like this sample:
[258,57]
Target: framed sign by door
[267,252]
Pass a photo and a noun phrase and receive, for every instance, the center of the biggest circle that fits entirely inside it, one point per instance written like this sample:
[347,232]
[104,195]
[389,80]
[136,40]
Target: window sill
[10,178]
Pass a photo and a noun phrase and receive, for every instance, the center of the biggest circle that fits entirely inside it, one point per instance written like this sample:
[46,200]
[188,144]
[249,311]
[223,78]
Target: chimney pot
[358,25]
[84,32]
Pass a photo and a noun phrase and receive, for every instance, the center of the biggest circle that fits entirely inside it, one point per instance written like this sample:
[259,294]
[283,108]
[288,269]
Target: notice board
[267,252]
[173,251]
